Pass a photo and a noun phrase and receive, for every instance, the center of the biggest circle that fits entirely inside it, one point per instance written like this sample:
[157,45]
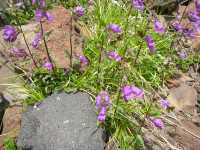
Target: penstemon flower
[196,26]
[138,4]
[150,43]
[40,14]
[158,27]
[83,60]
[189,33]
[41,3]
[18,52]
[114,56]
[197,4]
[158,123]
[9,33]
[114,28]
[193,16]
[177,26]
[48,65]
[182,55]
[131,92]
[35,42]
[102,103]
[164,103]
[79,11]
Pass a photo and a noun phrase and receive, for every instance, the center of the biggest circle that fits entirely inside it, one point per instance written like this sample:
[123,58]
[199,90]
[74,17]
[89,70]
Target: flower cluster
[79,11]
[138,4]
[9,33]
[130,92]
[114,56]
[40,14]
[102,104]
[194,18]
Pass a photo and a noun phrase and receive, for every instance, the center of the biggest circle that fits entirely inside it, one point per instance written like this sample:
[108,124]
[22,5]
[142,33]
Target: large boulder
[61,122]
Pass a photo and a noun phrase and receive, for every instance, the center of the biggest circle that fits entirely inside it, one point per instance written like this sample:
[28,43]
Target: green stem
[45,44]
[126,31]
[24,37]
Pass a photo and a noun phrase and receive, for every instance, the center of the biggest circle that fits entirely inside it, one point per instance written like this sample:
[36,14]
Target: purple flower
[189,33]
[150,43]
[42,3]
[114,28]
[132,92]
[34,2]
[36,40]
[40,14]
[18,52]
[164,103]
[102,100]
[102,115]
[177,26]
[79,11]
[193,16]
[196,26]
[197,4]
[48,16]
[158,27]
[182,55]
[102,103]
[9,33]
[115,56]
[48,65]
[83,60]
[138,4]
[158,123]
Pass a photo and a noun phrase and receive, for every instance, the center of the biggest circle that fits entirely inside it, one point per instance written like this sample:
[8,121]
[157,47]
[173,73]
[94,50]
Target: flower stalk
[45,44]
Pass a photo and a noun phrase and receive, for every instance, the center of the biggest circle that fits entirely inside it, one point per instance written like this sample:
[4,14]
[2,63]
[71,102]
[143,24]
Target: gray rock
[61,122]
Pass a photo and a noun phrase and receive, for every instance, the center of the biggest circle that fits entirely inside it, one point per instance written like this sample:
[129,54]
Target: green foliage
[9,144]
[49,82]
[184,64]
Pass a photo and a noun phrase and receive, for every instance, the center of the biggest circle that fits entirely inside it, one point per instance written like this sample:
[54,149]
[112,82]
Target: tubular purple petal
[114,56]
[79,11]
[114,28]
[158,27]
[138,4]
[9,33]
[150,43]
[18,52]
[48,65]
[158,123]
[164,103]
[36,40]
[132,92]
[197,4]
[193,16]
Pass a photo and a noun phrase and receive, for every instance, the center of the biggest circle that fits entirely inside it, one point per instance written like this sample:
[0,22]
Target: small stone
[183,97]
